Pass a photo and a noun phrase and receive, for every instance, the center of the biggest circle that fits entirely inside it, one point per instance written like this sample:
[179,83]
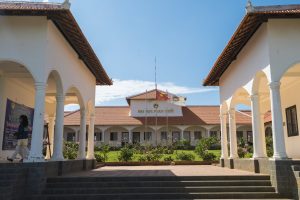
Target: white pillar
[208,132]
[102,137]
[258,149]
[232,129]
[59,129]
[277,122]
[51,136]
[35,154]
[82,135]
[181,135]
[224,142]
[90,153]
[130,136]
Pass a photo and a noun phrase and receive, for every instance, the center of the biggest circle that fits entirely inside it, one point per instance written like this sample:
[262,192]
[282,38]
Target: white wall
[37,44]
[253,58]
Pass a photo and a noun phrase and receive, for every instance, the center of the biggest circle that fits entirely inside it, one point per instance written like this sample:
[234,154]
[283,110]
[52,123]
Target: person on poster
[22,138]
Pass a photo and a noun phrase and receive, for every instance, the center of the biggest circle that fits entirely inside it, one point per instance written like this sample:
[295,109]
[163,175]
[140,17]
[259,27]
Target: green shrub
[269,144]
[102,153]
[99,157]
[169,149]
[204,144]
[242,152]
[142,158]
[126,154]
[209,156]
[153,155]
[70,150]
[168,158]
[185,156]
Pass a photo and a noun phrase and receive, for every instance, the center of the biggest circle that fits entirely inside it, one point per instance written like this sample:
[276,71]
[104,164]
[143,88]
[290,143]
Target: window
[164,135]
[125,137]
[291,121]
[187,135]
[114,136]
[240,135]
[175,136]
[98,136]
[71,137]
[268,131]
[213,134]
[197,135]
[147,136]
[249,137]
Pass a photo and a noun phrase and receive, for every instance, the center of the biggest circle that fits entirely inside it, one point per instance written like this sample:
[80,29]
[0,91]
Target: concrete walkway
[179,170]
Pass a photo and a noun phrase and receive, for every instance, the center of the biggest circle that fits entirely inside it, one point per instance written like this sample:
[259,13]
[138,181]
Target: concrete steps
[200,187]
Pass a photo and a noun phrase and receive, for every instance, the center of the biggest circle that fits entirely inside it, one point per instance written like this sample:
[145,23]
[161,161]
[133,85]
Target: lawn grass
[113,155]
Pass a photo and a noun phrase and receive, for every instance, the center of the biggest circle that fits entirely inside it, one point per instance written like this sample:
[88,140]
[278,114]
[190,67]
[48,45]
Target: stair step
[213,195]
[296,167]
[153,178]
[158,190]
[158,184]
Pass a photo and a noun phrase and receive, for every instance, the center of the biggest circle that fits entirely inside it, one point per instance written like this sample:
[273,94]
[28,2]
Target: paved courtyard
[179,170]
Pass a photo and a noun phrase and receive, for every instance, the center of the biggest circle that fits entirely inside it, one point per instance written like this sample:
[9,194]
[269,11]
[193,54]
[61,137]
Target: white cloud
[124,88]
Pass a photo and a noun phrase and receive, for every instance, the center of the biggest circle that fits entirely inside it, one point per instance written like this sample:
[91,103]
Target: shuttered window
[291,121]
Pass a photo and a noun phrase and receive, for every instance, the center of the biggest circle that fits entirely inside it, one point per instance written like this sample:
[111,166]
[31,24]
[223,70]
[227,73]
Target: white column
[130,136]
[51,136]
[102,137]
[90,153]
[59,129]
[35,154]
[277,122]
[258,149]
[181,135]
[232,129]
[82,135]
[224,142]
[208,132]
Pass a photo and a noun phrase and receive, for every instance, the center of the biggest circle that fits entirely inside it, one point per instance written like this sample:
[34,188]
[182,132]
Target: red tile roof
[192,115]
[242,35]
[66,23]
[154,94]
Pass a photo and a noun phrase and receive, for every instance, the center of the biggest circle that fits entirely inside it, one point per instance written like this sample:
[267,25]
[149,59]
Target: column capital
[254,97]
[274,85]
[231,112]
[40,85]
[60,98]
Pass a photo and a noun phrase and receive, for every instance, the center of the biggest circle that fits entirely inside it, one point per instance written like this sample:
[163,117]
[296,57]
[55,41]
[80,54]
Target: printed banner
[11,124]
[154,108]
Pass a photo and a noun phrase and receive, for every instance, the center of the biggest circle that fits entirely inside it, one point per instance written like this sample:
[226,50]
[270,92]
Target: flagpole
[145,116]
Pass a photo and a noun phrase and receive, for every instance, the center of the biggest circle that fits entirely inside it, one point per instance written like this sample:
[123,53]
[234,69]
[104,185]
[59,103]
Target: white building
[45,63]
[155,118]
[260,66]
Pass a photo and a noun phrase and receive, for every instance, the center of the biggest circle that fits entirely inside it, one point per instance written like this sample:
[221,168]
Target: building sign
[154,108]
[11,124]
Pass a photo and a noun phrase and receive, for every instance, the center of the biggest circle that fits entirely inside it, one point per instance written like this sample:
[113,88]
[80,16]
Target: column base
[222,162]
[34,158]
[90,157]
[53,158]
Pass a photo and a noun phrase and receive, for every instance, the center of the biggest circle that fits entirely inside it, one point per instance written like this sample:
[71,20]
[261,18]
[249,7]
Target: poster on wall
[11,123]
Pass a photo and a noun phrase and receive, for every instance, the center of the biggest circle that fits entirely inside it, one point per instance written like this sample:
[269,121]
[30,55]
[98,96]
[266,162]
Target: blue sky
[186,36]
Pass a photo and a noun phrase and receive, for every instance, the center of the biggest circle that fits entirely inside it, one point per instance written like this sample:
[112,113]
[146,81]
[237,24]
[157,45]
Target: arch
[260,80]
[77,94]
[241,96]
[142,129]
[195,127]
[20,63]
[285,70]
[58,81]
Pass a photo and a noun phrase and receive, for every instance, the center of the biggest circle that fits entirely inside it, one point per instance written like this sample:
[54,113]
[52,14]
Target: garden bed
[151,163]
